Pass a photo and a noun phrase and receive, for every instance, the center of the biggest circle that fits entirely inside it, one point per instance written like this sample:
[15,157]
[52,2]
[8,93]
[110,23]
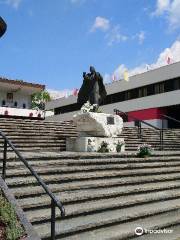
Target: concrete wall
[18,112]
[18,97]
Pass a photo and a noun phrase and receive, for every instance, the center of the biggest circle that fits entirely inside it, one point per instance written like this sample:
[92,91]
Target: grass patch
[13,229]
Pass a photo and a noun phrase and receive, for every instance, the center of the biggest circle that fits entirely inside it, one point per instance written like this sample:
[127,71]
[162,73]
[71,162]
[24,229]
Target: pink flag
[75,92]
[113,78]
[168,60]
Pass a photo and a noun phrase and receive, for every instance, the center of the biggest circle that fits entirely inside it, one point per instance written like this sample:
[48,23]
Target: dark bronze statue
[92,89]
[3,27]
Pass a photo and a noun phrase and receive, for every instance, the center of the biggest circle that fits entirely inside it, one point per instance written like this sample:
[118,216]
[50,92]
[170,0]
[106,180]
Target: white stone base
[92,144]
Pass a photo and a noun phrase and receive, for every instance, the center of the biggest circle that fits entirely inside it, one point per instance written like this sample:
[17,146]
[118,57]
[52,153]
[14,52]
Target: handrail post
[53,218]
[139,129]
[162,138]
[4,160]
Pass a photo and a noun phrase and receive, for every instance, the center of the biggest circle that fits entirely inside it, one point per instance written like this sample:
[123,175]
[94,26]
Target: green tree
[39,99]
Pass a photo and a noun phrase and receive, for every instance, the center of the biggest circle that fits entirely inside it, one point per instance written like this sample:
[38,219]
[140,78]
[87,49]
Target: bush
[13,229]
[104,147]
[144,150]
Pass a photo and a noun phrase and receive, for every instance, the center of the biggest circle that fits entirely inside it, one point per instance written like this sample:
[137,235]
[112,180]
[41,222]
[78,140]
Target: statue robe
[92,89]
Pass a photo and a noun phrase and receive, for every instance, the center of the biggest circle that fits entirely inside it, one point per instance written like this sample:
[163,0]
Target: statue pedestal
[93,144]
[98,124]
[96,130]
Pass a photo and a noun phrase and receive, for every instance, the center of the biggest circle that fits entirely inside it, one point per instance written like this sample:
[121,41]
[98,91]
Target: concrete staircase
[152,137]
[34,135]
[31,135]
[106,196]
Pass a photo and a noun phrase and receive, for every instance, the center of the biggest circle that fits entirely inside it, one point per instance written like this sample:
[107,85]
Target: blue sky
[53,41]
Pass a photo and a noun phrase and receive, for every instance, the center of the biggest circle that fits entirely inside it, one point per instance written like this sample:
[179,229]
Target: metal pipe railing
[54,201]
[170,118]
[161,131]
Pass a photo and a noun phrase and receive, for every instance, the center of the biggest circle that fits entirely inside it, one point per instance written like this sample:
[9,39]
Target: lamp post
[3,27]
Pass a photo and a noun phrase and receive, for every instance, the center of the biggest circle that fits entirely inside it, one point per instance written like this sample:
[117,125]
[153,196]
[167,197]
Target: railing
[54,201]
[170,118]
[166,117]
[139,124]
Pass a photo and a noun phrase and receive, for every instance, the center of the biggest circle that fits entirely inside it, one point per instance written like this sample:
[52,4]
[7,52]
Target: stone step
[22,192]
[31,121]
[33,140]
[56,169]
[36,149]
[82,195]
[91,175]
[126,230]
[171,232]
[36,132]
[37,146]
[103,204]
[45,161]
[111,217]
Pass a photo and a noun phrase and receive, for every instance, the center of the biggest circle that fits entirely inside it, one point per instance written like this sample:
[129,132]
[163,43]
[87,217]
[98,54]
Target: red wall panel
[147,114]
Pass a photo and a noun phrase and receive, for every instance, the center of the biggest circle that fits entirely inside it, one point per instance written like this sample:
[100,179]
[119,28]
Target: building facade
[146,96]
[15,99]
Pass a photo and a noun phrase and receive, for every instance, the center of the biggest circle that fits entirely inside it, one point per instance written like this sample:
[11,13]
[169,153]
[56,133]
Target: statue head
[92,69]
[3,27]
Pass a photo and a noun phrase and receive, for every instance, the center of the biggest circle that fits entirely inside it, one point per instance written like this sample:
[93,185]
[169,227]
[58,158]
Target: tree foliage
[39,99]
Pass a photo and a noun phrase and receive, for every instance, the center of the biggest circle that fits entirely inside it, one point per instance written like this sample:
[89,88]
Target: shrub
[144,150]
[13,229]
[119,145]
[103,147]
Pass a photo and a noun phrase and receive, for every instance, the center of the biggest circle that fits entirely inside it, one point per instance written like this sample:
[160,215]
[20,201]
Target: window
[9,97]
[15,104]
[143,92]
[127,95]
[24,105]
[159,88]
[134,93]
[150,89]
[177,84]
[3,102]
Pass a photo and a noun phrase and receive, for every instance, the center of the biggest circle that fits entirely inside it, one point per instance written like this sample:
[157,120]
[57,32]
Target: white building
[15,99]
[145,96]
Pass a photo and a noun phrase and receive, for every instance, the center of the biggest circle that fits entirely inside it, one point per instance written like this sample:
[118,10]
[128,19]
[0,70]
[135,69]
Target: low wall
[19,112]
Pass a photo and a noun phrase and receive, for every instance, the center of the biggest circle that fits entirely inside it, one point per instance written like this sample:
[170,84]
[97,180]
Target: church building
[15,99]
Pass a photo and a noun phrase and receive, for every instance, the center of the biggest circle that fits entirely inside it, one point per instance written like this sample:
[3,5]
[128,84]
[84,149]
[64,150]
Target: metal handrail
[54,201]
[171,118]
[161,132]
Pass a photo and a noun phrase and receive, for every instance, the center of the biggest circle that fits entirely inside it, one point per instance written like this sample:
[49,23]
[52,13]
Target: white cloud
[141,37]
[161,6]
[174,14]
[173,52]
[55,94]
[101,24]
[13,3]
[171,9]
[119,72]
[114,36]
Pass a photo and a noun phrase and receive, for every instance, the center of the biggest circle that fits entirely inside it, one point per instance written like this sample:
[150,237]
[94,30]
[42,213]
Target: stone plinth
[98,124]
[92,144]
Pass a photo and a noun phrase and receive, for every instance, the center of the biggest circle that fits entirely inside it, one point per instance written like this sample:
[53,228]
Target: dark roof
[20,82]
